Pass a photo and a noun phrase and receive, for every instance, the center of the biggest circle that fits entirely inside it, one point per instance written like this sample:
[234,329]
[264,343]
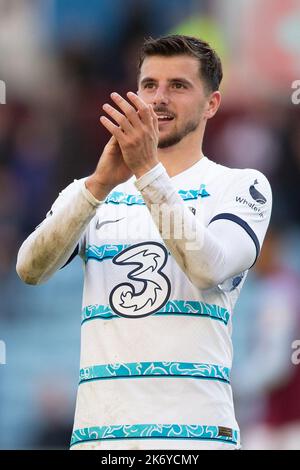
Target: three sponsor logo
[147,261]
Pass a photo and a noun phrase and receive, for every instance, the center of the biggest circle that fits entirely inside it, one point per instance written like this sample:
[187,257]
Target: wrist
[97,188]
[141,171]
[148,178]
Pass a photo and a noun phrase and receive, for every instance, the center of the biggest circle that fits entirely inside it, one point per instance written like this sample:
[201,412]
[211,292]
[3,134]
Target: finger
[112,128]
[129,111]
[141,106]
[118,117]
[154,119]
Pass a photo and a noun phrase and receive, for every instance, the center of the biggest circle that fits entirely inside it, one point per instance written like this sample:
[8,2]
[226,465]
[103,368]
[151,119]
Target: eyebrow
[170,80]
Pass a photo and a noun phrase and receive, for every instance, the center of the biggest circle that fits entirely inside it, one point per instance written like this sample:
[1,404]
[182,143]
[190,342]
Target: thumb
[113,142]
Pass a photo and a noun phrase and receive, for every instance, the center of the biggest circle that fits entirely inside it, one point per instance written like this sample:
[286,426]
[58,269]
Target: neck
[181,156]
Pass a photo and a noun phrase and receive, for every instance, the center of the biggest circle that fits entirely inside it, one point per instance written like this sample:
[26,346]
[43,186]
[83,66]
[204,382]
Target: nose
[161,96]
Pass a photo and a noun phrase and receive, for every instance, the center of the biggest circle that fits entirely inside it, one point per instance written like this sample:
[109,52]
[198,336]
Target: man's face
[174,88]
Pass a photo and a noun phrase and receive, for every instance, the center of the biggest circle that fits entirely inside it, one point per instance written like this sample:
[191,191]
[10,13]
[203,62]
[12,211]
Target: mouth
[164,118]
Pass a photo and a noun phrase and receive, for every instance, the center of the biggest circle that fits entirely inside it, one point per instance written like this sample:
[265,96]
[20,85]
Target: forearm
[201,252]
[49,247]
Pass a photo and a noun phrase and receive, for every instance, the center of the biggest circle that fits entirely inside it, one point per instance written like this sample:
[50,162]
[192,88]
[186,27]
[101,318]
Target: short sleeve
[247,201]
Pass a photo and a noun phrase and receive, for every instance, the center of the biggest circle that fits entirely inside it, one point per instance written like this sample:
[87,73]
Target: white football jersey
[156,351]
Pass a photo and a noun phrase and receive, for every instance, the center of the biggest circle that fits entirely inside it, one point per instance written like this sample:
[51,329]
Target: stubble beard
[177,136]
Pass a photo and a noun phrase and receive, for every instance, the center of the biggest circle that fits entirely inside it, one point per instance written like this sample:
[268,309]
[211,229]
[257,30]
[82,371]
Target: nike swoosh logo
[99,225]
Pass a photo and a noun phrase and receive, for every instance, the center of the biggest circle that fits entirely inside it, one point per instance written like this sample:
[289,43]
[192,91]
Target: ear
[212,104]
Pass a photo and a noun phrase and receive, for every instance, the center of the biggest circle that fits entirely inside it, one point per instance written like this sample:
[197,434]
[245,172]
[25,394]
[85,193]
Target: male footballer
[167,237]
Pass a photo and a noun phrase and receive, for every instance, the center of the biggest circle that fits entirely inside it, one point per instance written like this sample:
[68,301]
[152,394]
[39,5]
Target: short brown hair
[210,64]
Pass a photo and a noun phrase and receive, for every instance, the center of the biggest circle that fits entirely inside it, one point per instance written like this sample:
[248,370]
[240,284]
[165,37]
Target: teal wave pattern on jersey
[155,369]
[154,431]
[117,197]
[172,307]
[102,252]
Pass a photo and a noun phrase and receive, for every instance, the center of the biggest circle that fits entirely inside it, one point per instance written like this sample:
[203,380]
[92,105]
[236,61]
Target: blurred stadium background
[59,60]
